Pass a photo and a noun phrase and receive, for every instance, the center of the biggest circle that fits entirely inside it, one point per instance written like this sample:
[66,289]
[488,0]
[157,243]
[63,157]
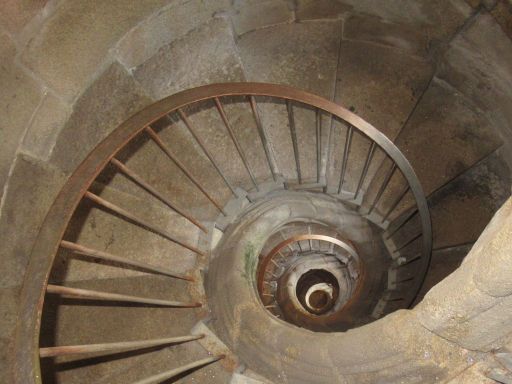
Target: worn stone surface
[442,263]
[45,127]
[105,105]
[239,378]
[375,30]
[308,357]
[441,15]
[473,375]
[490,255]
[79,36]
[101,230]
[9,298]
[461,210]
[475,64]
[147,160]
[16,14]
[321,9]
[67,322]
[485,331]
[206,55]
[437,19]
[249,15]
[272,55]
[208,125]
[474,3]
[478,65]
[382,85]
[463,307]
[165,26]
[169,72]
[445,136]
[169,358]
[502,13]
[302,55]
[32,189]
[442,304]
[19,98]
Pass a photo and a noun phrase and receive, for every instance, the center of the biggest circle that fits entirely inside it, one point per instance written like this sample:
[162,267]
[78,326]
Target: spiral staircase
[234,229]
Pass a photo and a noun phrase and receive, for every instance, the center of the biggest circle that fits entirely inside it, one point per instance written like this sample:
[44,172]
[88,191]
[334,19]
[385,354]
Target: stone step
[443,262]
[381,85]
[436,22]
[461,209]
[162,75]
[101,230]
[72,321]
[303,55]
[445,136]
[248,378]
[170,358]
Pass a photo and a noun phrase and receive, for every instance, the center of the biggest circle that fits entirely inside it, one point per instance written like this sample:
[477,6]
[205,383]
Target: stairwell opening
[317,291]
[162,240]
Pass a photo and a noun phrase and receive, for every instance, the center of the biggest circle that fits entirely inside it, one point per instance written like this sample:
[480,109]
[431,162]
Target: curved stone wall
[72,71]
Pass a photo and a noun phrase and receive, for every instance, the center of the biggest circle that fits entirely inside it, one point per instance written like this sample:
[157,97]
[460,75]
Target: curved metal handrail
[26,354]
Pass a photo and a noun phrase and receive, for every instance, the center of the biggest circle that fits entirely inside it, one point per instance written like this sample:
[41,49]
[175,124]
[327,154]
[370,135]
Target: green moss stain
[250,262]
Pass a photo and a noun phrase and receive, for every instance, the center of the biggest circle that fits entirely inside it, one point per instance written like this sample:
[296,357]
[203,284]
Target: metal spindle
[80,249]
[346,150]
[272,274]
[408,242]
[106,204]
[383,187]
[393,300]
[405,280]
[309,240]
[178,371]
[222,113]
[137,179]
[263,136]
[293,133]
[289,245]
[318,144]
[125,346]
[205,150]
[367,163]
[105,296]
[396,202]
[414,258]
[181,166]
[399,223]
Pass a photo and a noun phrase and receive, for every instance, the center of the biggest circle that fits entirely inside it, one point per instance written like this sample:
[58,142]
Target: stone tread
[100,229]
[313,68]
[79,45]
[105,105]
[462,208]
[445,136]
[78,324]
[237,62]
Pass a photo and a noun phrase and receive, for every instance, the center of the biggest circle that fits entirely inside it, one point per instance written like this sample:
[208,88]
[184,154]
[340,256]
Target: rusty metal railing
[51,235]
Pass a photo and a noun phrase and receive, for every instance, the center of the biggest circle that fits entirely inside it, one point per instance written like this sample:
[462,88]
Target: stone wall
[72,71]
